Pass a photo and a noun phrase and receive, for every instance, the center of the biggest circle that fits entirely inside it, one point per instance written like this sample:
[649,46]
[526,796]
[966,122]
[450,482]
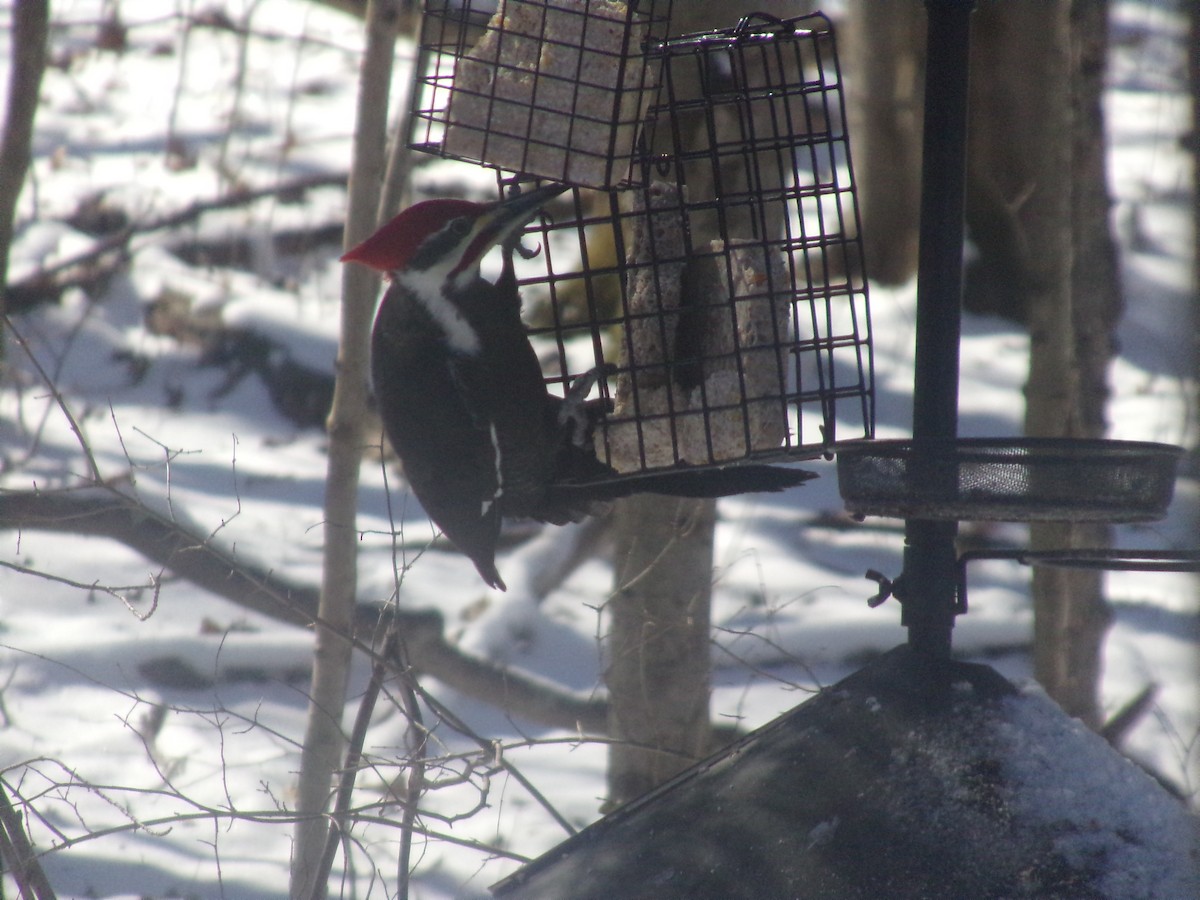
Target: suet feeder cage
[714,271]
[553,89]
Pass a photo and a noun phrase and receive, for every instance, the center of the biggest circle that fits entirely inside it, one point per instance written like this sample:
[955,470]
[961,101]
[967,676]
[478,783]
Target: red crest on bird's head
[391,247]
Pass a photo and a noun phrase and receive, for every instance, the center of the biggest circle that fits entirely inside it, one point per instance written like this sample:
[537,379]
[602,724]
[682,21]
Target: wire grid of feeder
[721,286]
[553,88]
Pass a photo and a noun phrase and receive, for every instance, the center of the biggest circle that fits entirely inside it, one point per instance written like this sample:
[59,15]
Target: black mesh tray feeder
[708,263]
[936,479]
[1019,480]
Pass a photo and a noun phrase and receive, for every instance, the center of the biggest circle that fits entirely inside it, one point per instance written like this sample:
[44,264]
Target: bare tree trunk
[1096,309]
[885,60]
[658,671]
[658,674]
[1193,56]
[1071,613]
[1038,155]
[324,738]
[1095,277]
[30,22]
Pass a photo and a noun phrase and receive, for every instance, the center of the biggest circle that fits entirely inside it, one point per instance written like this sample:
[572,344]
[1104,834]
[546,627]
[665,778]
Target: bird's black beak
[506,217]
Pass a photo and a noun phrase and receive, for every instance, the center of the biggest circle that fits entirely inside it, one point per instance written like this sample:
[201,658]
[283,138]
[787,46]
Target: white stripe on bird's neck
[426,287]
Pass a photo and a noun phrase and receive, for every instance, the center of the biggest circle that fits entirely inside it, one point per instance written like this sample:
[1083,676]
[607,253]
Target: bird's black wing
[438,423]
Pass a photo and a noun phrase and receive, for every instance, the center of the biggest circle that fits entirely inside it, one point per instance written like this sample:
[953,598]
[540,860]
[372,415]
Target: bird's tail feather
[710,482]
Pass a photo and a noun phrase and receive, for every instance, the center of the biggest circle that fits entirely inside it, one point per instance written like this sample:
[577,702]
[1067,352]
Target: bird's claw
[576,410]
[525,252]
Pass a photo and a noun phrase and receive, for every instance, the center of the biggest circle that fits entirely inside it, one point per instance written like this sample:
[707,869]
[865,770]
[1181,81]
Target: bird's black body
[452,415]
[461,393]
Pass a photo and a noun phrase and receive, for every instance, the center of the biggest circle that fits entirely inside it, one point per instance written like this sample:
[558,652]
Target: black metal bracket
[887,588]
[1112,559]
[1107,558]
[896,587]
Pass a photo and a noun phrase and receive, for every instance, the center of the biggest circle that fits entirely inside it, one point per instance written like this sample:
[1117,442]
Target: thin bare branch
[61,402]
[112,250]
[27,63]
[340,815]
[20,859]
[339,572]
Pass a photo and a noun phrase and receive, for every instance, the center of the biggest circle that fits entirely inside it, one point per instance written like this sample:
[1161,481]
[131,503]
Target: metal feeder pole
[928,596]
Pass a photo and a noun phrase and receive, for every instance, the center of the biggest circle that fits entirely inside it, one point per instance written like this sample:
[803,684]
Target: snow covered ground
[155,779]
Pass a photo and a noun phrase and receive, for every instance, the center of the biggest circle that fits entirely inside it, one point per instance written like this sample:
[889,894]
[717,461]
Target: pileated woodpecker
[461,393]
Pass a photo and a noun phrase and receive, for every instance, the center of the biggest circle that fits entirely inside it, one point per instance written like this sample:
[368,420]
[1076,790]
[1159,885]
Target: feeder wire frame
[746,176]
[744,156]
[551,88]
[1111,559]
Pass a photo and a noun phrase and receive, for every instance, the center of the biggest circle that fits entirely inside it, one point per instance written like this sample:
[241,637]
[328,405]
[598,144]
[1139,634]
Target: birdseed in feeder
[702,367]
[554,89]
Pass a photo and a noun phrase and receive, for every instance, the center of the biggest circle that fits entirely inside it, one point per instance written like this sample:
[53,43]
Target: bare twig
[117,592]
[243,32]
[496,749]
[20,859]
[174,144]
[341,814]
[1123,721]
[106,512]
[397,180]
[415,783]
[201,812]
[398,653]
[27,62]
[62,274]
[339,575]
[93,467]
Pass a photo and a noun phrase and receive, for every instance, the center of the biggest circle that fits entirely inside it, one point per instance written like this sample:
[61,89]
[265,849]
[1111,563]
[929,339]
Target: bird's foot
[525,252]
[579,412]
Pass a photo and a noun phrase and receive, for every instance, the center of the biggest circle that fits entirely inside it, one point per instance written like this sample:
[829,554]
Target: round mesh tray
[1012,480]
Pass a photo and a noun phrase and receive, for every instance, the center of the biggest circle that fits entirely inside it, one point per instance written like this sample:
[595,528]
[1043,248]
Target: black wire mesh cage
[550,88]
[720,291]
[1009,479]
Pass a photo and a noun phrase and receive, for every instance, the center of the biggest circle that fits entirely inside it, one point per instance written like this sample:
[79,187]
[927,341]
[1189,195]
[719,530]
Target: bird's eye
[460,228]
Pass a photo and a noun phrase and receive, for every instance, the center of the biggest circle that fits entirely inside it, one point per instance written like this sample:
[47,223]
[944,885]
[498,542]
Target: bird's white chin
[425,287]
